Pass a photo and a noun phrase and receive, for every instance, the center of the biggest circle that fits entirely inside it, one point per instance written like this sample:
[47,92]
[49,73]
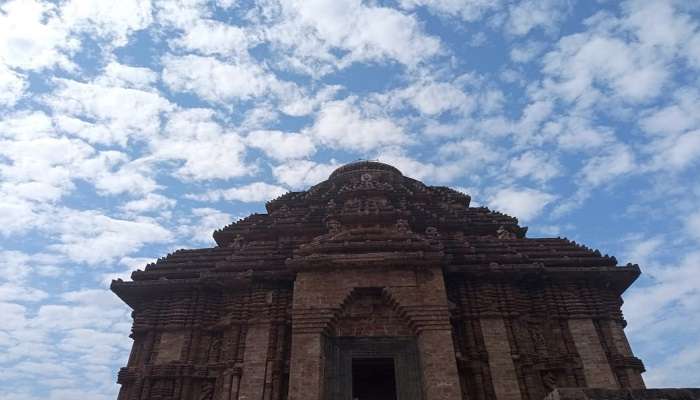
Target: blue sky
[129,129]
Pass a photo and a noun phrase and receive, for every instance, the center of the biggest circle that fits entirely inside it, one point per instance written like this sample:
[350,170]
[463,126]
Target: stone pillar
[305,375]
[503,376]
[622,346]
[596,367]
[425,307]
[438,364]
[254,360]
[314,305]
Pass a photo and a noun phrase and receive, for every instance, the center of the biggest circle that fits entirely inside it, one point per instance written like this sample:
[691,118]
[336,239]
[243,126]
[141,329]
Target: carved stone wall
[522,340]
[368,313]
[210,343]
[370,256]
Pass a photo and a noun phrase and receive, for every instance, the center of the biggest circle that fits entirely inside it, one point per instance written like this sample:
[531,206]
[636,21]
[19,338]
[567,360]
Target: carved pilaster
[628,367]
[503,376]
[255,361]
[596,366]
[305,379]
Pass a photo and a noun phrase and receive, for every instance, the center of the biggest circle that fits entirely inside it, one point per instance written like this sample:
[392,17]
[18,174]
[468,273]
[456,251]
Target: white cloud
[574,132]
[549,230]
[577,134]
[673,119]
[478,39]
[26,125]
[678,153]
[433,98]
[250,193]
[455,159]
[300,174]
[14,265]
[259,117]
[14,292]
[469,152]
[17,215]
[667,310]
[311,29]
[662,25]
[342,124]
[523,203]
[615,162]
[693,51]
[282,145]
[207,150]
[112,21]
[210,37]
[215,80]
[641,250]
[206,220]
[527,128]
[81,346]
[32,36]
[92,297]
[692,225]
[526,52]
[151,202]
[129,265]
[491,101]
[13,316]
[16,269]
[527,15]
[468,10]
[585,64]
[36,35]
[673,130]
[94,238]
[111,172]
[421,170]
[181,14]
[629,58]
[297,102]
[518,18]
[127,76]
[107,114]
[673,371]
[12,86]
[241,79]
[50,151]
[537,165]
[41,168]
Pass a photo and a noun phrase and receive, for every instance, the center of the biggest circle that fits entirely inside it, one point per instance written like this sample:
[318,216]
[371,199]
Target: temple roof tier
[369,212]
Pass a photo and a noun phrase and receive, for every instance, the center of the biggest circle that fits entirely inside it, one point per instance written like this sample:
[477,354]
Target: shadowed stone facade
[371,264]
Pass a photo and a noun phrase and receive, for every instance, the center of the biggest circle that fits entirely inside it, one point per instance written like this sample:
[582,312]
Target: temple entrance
[373,379]
[372,368]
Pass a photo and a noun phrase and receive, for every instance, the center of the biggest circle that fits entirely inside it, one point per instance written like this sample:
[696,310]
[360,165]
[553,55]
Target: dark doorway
[373,379]
[369,368]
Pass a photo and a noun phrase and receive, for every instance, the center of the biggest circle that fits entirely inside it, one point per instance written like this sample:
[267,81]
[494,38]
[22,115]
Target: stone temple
[373,286]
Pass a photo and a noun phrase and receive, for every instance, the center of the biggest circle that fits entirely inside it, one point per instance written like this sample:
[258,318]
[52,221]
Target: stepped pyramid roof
[365,214]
